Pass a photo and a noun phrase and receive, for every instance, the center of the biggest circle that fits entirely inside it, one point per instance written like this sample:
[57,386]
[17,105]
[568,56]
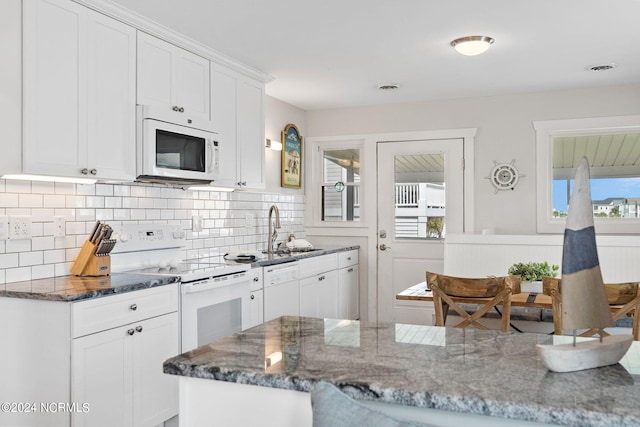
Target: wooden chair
[449,291]
[623,300]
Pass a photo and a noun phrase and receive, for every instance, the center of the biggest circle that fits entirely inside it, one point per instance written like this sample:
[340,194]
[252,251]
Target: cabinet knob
[133,307]
[131,331]
[93,171]
[138,328]
[175,108]
[84,171]
[350,270]
[321,278]
[255,279]
[181,110]
[253,296]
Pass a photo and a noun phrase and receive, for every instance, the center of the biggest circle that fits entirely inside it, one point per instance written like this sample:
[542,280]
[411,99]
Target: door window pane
[419,196]
[341,185]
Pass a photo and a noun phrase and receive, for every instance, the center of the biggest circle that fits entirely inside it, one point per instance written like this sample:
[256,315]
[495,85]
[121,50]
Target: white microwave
[175,147]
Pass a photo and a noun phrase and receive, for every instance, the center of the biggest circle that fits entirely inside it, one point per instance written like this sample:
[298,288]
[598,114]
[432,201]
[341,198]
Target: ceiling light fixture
[472,45]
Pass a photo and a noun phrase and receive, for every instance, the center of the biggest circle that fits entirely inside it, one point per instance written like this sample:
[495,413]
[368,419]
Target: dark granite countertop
[461,370]
[284,257]
[76,288]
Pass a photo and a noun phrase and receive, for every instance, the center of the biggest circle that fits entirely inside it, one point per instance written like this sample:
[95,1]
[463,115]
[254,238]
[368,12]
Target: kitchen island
[437,375]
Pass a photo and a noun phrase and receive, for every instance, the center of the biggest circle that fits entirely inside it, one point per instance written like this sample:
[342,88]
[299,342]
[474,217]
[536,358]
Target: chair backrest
[485,287]
[617,293]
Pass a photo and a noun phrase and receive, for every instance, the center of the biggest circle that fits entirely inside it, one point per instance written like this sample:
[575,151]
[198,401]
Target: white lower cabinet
[348,286]
[118,372]
[319,295]
[102,358]
[256,300]
[319,286]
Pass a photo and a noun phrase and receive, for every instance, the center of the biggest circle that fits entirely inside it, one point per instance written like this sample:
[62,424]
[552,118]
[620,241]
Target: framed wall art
[291,157]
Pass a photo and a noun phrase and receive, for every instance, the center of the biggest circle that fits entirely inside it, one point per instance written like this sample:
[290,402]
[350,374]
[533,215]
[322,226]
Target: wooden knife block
[88,263]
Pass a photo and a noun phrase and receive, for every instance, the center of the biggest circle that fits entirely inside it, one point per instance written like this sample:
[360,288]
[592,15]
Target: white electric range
[214,295]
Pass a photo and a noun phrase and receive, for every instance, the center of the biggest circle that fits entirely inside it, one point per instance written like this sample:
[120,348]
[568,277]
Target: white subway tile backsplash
[30,258]
[9,261]
[224,214]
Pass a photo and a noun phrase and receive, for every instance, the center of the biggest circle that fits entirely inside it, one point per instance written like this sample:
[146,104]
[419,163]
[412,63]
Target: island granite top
[76,288]
[461,370]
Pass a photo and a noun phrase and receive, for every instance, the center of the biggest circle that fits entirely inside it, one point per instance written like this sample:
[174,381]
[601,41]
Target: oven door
[214,308]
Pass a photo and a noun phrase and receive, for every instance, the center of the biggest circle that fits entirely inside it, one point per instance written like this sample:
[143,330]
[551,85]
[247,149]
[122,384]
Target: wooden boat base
[585,354]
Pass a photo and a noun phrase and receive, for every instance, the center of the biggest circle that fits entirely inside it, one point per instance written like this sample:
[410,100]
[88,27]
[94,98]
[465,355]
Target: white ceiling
[335,53]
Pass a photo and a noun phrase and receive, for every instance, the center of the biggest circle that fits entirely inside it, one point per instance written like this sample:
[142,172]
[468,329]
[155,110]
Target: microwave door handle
[210,147]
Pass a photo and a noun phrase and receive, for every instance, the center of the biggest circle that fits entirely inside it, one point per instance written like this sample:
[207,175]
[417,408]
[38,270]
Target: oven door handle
[206,285]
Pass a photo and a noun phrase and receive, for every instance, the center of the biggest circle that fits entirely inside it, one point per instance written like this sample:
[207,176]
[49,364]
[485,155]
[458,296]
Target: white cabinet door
[155,393]
[111,113]
[53,88]
[237,110]
[319,295]
[118,372]
[251,138]
[79,96]
[100,367]
[257,308]
[223,116]
[172,77]
[348,293]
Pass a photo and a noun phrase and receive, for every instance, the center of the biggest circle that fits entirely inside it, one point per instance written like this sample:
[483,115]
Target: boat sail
[584,298]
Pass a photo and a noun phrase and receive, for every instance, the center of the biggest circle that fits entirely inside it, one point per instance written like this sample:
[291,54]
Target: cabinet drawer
[345,259]
[108,312]
[312,266]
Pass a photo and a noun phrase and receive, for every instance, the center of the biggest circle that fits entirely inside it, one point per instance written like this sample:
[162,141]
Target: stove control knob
[123,237]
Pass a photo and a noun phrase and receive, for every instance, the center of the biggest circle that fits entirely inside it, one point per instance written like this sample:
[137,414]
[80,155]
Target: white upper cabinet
[79,92]
[171,76]
[237,111]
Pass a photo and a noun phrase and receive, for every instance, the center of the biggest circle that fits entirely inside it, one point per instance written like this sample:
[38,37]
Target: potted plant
[533,272]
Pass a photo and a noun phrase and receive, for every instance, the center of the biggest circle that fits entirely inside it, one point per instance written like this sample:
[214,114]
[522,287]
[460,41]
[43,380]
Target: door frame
[364,232]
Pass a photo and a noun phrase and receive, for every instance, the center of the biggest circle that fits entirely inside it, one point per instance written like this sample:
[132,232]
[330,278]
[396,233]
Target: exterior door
[420,200]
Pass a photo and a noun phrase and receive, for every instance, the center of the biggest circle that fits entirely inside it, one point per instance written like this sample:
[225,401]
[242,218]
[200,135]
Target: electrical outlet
[59,226]
[20,227]
[4,227]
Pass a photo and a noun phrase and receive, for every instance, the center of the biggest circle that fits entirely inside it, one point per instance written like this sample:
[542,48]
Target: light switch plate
[59,226]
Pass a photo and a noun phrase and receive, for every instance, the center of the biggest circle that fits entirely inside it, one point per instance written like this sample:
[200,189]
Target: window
[612,146]
[340,185]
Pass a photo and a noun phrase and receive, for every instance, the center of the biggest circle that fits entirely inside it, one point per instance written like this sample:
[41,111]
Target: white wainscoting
[476,255]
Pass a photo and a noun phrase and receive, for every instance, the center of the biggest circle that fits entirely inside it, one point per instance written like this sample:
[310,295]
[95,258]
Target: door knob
[384,247]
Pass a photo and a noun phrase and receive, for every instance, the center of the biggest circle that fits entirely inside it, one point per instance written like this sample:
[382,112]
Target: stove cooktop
[191,270]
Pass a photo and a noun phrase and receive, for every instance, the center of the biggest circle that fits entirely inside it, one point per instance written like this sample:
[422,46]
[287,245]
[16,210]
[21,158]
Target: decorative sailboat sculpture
[584,298]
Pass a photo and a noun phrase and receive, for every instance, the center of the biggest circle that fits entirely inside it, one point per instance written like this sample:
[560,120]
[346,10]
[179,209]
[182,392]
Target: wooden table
[420,292]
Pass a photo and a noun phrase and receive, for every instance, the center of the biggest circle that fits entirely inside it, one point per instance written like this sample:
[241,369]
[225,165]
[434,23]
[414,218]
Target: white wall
[278,115]
[505,132]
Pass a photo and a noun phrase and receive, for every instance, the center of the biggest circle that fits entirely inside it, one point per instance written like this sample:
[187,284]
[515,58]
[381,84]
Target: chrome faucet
[273,234]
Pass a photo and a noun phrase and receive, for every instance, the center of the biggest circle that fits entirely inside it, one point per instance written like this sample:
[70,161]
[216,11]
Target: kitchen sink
[292,251]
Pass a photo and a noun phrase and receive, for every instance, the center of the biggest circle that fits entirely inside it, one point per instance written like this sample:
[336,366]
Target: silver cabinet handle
[350,270]
[138,328]
[93,171]
[253,296]
[181,109]
[84,171]
[321,278]
[133,307]
[131,331]
[256,279]
[178,109]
